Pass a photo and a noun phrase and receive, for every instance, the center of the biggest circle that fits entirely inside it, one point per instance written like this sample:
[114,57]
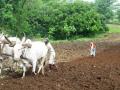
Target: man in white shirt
[52,54]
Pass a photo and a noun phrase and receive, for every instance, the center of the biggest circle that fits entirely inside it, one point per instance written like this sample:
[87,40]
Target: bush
[69,20]
[53,20]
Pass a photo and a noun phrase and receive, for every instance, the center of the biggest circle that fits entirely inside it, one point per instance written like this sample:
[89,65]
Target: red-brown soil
[76,70]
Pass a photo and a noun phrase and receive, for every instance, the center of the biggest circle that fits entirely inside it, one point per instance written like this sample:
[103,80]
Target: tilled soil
[66,52]
[80,72]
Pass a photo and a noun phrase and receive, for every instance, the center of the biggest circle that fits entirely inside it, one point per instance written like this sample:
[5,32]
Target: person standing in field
[92,49]
[51,51]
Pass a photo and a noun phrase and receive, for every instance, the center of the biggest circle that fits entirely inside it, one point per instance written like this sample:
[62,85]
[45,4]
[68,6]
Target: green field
[114,28]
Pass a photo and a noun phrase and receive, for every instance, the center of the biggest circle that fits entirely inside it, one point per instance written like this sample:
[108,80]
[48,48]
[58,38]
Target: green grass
[94,38]
[114,28]
[83,39]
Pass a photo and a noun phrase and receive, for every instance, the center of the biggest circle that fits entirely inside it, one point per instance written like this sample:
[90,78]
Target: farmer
[92,49]
[51,51]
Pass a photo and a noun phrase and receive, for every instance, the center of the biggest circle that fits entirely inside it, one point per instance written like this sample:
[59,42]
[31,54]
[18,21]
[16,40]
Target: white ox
[7,44]
[6,47]
[31,52]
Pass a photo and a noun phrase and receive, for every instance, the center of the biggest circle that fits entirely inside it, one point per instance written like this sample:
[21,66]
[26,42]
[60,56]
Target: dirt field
[76,69]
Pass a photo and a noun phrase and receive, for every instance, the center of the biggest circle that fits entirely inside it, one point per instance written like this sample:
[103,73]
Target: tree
[118,14]
[13,17]
[52,18]
[68,30]
[104,8]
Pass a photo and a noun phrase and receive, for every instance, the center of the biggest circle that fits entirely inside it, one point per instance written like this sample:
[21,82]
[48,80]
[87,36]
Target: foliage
[50,18]
[118,14]
[104,7]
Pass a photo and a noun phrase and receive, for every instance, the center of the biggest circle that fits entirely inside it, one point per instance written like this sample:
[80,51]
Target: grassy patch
[84,39]
[96,37]
[114,28]
[93,38]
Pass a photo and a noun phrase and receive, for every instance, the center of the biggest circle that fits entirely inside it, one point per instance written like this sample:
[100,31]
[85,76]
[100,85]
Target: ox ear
[27,45]
[23,40]
[16,36]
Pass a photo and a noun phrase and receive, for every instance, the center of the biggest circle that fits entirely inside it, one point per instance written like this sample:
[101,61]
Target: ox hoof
[49,70]
[34,73]
[22,77]
[37,72]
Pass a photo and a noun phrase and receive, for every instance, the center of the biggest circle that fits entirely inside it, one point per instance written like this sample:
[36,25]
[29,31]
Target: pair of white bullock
[25,52]
[6,47]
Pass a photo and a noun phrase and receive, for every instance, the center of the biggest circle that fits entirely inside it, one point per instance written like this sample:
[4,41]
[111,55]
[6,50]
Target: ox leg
[16,66]
[1,65]
[24,70]
[13,66]
[43,71]
[0,68]
[41,66]
[34,66]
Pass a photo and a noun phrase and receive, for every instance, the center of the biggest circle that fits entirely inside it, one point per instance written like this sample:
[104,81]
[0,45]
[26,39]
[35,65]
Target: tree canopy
[53,19]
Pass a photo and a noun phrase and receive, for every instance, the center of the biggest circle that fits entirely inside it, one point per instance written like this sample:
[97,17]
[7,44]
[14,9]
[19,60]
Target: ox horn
[12,45]
[8,40]
[23,39]
[24,34]
[0,50]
